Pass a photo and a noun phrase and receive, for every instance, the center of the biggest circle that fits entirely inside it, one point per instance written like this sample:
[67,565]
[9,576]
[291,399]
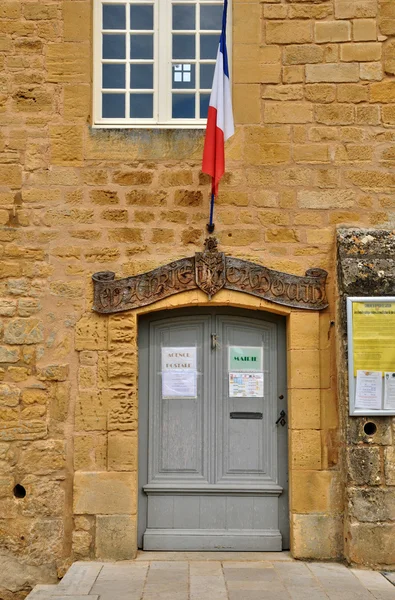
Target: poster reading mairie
[245,358]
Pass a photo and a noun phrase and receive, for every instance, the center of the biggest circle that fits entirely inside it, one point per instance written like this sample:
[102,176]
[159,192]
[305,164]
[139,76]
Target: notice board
[371,355]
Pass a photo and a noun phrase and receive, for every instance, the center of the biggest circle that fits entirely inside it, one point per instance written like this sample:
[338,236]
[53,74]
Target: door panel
[181,439]
[209,480]
[178,433]
[247,452]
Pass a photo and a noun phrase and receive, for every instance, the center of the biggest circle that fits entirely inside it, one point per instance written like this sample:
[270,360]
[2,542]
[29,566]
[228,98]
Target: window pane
[113,46]
[204,100]
[142,76]
[183,106]
[141,16]
[114,16]
[211,17]
[183,46]
[184,16]
[142,46]
[209,46]
[206,76]
[141,106]
[113,106]
[183,76]
[113,76]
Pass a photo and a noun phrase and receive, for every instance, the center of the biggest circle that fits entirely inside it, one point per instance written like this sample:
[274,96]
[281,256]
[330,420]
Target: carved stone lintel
[282,288]
[210,271]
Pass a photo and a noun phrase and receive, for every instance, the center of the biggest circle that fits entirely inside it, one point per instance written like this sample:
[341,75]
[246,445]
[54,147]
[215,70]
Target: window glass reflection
[142,76]
[141,16]
[183,106]
[141,106]
[183,46]
[113,76]
[114,16]
[113,106]
[142,46]
[113,46]
[184,16]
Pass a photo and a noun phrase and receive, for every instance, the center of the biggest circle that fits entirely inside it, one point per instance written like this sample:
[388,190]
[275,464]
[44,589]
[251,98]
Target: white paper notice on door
[179,374]
[369,390]
[246,385]
[179,358]
[179,384]
[389,390]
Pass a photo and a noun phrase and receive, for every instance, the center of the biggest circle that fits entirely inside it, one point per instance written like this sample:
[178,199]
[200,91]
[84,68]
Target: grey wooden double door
[212,460]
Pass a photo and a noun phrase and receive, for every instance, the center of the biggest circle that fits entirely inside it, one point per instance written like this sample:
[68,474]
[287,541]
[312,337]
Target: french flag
[220,124]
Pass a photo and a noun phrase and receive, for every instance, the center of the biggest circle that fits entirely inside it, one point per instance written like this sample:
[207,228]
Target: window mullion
[157,65]
[197,67]
[163,58]
[127,66]
[97,53]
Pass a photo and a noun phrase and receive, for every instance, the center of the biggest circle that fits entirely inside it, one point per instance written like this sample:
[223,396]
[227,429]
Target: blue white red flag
[220,125]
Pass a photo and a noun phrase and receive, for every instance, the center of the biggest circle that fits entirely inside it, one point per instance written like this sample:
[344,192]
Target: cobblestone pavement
[216,576]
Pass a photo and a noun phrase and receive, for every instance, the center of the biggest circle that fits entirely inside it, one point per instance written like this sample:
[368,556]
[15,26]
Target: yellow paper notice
[374,336]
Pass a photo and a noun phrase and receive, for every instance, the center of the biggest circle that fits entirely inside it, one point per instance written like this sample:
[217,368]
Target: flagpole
[210,225]
[220,126]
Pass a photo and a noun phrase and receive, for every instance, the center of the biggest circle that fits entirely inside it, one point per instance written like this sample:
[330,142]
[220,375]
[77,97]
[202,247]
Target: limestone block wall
[314,104]
[366,268]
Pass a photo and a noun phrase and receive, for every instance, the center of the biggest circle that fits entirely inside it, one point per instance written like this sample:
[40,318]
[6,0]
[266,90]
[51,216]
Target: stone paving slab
[216,577]
[86,597]
[298,579]
[380,587]
[127,579]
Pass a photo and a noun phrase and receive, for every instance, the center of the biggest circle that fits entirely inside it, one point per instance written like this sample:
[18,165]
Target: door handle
[282,418]
[214,341]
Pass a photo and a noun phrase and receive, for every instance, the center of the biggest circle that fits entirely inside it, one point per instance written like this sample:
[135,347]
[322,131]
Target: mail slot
[246,415]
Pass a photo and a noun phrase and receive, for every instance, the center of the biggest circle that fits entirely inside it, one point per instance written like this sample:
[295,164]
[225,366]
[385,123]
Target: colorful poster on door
[245,358]
[246,385]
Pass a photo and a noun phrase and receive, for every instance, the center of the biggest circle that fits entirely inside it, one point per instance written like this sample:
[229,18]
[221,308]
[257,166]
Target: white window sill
[148,126]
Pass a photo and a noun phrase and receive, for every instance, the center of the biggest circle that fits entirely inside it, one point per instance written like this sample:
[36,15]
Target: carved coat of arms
[210,268]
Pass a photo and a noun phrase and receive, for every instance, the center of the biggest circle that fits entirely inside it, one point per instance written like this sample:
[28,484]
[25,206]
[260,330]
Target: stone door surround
[105,493]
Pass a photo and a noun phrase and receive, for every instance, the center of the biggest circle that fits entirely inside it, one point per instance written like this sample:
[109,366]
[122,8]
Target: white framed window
[154,62]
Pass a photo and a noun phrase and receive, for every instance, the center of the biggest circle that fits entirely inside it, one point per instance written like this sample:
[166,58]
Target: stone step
[41,592]
[214,556]
[79,579]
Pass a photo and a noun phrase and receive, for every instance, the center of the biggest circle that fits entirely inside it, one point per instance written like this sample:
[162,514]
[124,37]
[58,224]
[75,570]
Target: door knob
[282,418]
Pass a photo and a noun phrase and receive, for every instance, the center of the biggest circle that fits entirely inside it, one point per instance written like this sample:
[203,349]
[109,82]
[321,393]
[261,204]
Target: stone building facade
[314,149]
